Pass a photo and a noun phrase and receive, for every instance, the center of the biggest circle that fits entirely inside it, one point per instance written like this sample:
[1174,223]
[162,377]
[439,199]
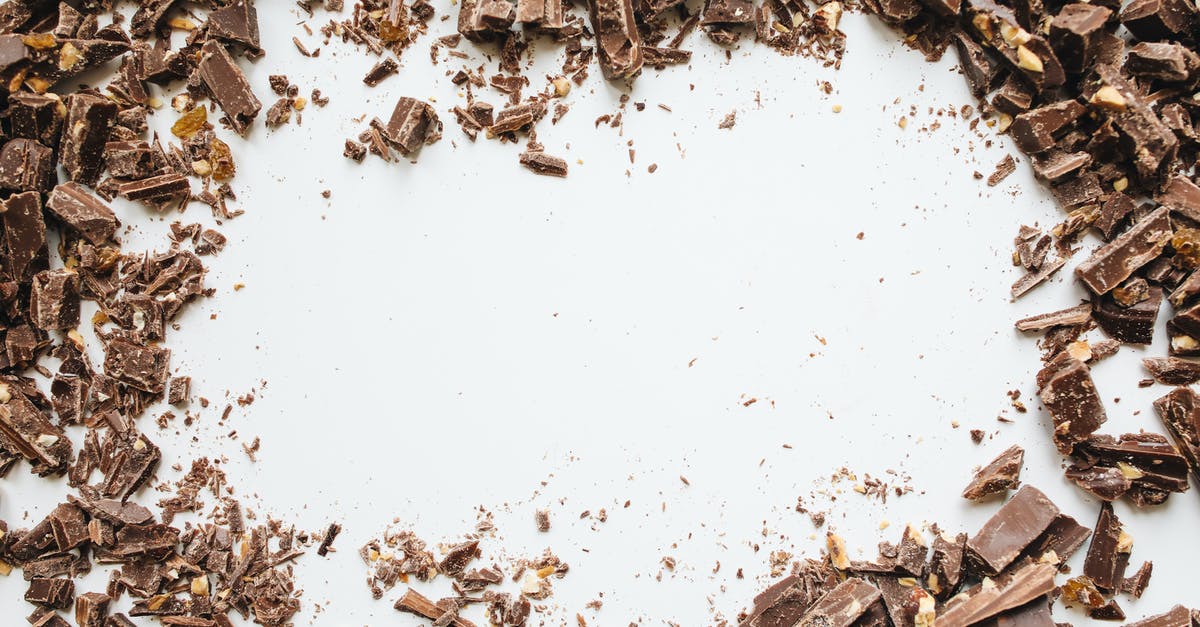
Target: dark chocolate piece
[180,391]
[1070,316]
[946,564]
[542,163]
[1073,34]
[1142,133]
[841,606]
[1063,537]
[54,593]
[485,20]
[54,300]
[413,123]
[1108,554]
[380,71]
[91,608]
[1116,261]
[1178,616]
[1165,61]
[141,367]
[236,22]
[85,132]
[1135,324]
[1023,585]
[457,558]
[156,189]
[1172,370]
[24,236]
[1066,388]
[37,116]
[784,603]
[545,15]
[1180,413]
[1016,525]
[1150,20]
[618,44]
[978,65]
[228,86]
[1136,585]
[81,212]
[1034,278]
[26,166]
[999,476]
[331,533]
[414,602]
[1036,130]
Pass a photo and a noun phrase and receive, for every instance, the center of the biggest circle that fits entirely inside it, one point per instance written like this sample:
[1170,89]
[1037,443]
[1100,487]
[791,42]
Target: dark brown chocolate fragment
[1142,134]
[1178,616]
[1136,585]
[413,123]
[1036,613]
[236,22]
[1172,370]
[1152,20]
[156,189]
[24,237]
[1016,525]
[485,20]
[1182,196]
[618,43]
[841,606]
[1066,388]
[1073,34]
[1134,324]
[1056,165]
[1035,131]
[999,476]
[54,300]
[978,65]
[414,602]
[1116,261]
[1108,554]
[946,563]
[661,57]
[1113,212]
[228,86]
[37,116]
[545,15]
[136,365]
[1166,61]
[1180,413]
[1025,584]
[381,71]
[1034,278]
[53,593]
[26,166]
[542,163]
[1070,316]
[457,558]
[1063,537]
[85,132]
[91,608]
[81,212]
[784,603]
[1108,611]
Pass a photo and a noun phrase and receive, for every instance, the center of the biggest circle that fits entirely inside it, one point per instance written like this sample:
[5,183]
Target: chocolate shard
[1036,613]
[485,20]
[54,300]
[141,367]
[1117,260]
[1136,585]
[1074,33]
[377,73]
[228,86]
[1034,58]
[1142,134]
[1036,131]
[544,15]
[1105,483]
[1025,584]
[1178,616]
[1113,212]
[457,558]
[53,593]
[1108,554]
[84,214]
[1182,196]
[85,131]
[37,116]
[414,602]
[1163,61]
[152,541]
[727,12]
[413,123]
[91,608]
[946,564]
[841,606]
[1062,538]
[784,603]
[656,57]
[999,476]
[27,432]
[26,166]
[236,22]
[1034,278]
[1057,165]
[1066,388]
[618,44]
[1016,525]
[979,66]
[1134,324]
[1070,316]
[1172,370]
[544,164]
[1180,413]
[1152,20]
[24,236]
[156,189]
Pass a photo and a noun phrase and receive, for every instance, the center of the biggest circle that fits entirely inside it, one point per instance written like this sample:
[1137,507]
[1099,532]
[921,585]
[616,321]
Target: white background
[458,333]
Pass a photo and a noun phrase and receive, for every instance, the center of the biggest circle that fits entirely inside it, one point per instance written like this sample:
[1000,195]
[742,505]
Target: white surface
[433,344]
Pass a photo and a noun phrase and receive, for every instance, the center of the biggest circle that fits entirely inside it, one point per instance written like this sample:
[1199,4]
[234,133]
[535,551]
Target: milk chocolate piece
[1108,555]
[331,533]
[618,44]
[1136,585]
[414,602]
[1135,324]
[1034,58]
[661,57]
[1070,316]
[999,476]
[141,367]
[1143,135]
[1036,613]
[156,188]
[978,65]
[1105,483]
[542,163]
[1036,130]
[91,608]
[1023,585]
[1113,211]
[1119,259]
[1056,165]
[81,212]
[841,606]
[26,166]
[457,558]
[1016,525]
[1034,278]
[54,300]
[236,22]
[515,118]
[180,391]
[1108,611]
[1073,34]
[25,237]
[1166,61]
[485,20]
[1172,370]
[1066,388]
[412,124]
[544,15]
[129,159]
[1178,616]
[946,564]
[1064,536]
[228,86]
[727,12]
[37,116]
[1182,196]
[1151,20]
[151,541]
[55,593]
[1180,413]
[85,132]
[380,71]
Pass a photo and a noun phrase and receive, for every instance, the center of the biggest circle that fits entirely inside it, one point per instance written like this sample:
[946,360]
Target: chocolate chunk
[1151,20]
[1034,278]
[1073,34]
[354,151]
[85,132]
[26,166]
[1180,413]
[661,57]
[1036,613]
[978,65]
[153,541]
[1136,585]
[1036,130]
[1005,167]
[1178,616]
[457,558]
[999,476]
[1023,585]
[1016,525]
[1182,196]
[327,541]
[727,12]
[1172,370]
[1070,316]
[1063,537]
[1056,165]
[380,71]
[236,22]
[228,86]
[946,563]
[156,189]
[36,116]
[412,124]
[414,602]
[91,608]
[545,15]
[618,44]
[485,20]
[1142,134]
[25,237]
[1116,261]
[1108,611]
[141,367]
[54,300]
[210,242]
[1032,56]
[55,593]
[841,606]
[180,391]
[784,603]
[1135,324]
[515,118]
[1113,211]
[1066,388]
[81,212]
[1108,553]
[1166,61]
[542,163]
[1105,483]
[129,159]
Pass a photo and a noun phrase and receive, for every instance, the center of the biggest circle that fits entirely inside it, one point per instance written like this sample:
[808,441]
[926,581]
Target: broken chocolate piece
[1116,261]
[1136,585]
[1134,324]
[1180,412]
[1066,388]
[1108,554]
[1017,524]
[54,593]
[380,71]
[81,212]
[1172,370]
[1024,584]
[543,163]
[618,44]
[1070,316]
[54,300]
[1035,131]
[412,124]
[142,367]
[228,86]
[999,476]
[85,132]
[24,236]
[236,22]
[26,166]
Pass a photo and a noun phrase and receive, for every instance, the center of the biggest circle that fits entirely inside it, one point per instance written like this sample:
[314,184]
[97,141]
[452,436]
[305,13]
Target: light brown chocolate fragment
[999,476]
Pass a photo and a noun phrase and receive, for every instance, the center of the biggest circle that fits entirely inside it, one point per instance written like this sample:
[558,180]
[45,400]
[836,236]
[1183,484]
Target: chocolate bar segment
[618,44]
[228,86]
[83,213]
[1117,260]
[413,123]
[1066,388]
[85,131]
[841,606]
[999,476]
[26,166]
[1016,525]
[1180,413]
[1108,555]
[1025,584]
[24,236]
[1132,324]
[54,300]
[141,367]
